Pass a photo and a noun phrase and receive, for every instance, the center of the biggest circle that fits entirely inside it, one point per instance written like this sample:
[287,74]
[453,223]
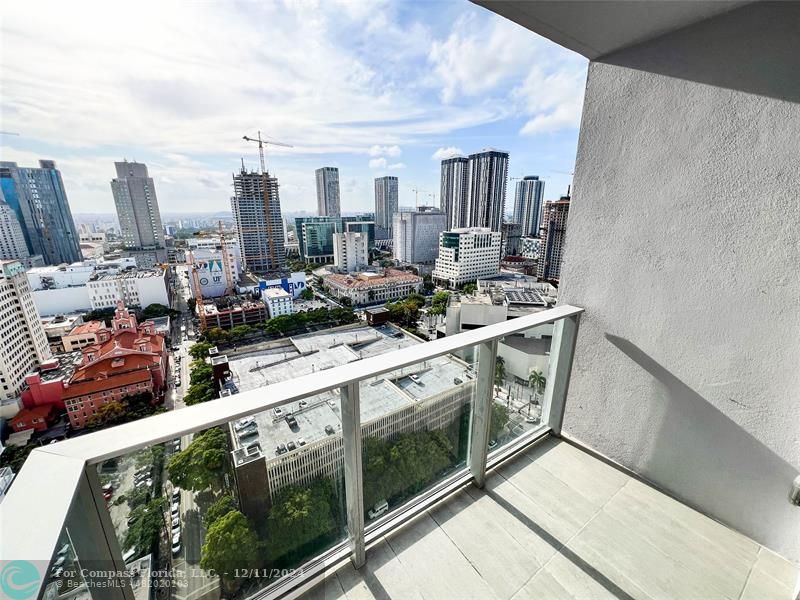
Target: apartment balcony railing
[460,414]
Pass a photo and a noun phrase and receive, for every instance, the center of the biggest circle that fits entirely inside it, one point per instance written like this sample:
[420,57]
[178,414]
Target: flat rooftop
[66,363]
[131,274]
[555,522]
[317,352]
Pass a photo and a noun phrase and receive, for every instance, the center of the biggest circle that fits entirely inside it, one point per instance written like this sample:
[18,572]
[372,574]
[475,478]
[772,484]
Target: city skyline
[397,112]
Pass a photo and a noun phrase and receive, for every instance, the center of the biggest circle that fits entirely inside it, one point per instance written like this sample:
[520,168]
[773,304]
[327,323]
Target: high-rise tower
[453,191]
[256,209]
[328,202]
[554,227]
[528,204]
[486,189]
[386,201]
[38,198]
[138,214]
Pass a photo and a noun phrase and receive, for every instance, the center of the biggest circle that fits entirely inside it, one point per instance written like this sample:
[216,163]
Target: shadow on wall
[759,42]
[709,462]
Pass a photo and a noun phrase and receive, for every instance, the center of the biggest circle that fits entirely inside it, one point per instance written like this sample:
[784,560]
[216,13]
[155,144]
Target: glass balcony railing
[262,491]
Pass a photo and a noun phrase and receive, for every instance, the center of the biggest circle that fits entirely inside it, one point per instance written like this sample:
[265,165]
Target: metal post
[481,418]
[562,351]
[353,473]
[91,534]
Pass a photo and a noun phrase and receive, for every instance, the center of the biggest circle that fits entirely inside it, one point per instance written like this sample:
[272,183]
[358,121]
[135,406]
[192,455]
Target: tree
[240,331]
[417,299]
[301,517]
[469,288]
[499,370]
[145,529]
[439,303]
[200,465]
[15,456]
[307,294]
[230,546]
[221,507]
[153,311]
[537,381]
[215,334]
[199,393]
[427,283]
[345,301]
[499,420]
[192,304]
[200,350]
[112,413]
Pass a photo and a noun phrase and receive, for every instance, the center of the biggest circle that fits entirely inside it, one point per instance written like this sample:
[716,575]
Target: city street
[191,582]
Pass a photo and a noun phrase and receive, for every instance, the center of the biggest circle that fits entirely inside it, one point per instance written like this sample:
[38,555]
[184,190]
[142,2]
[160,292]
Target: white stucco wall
[683,246]
[61,301]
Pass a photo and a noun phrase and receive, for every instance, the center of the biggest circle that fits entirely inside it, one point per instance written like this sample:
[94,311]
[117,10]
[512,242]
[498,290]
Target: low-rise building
[229,312]
[129,358]
[82,335]
[56,327]
[466,255]
[373,288]
[38,419]
[279,302]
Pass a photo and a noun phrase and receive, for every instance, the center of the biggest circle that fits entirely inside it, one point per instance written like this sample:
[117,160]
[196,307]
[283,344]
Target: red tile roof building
[39,418]
[129,358]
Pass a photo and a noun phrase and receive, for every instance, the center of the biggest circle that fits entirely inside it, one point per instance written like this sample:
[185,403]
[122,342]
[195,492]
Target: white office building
[416,234]
[12,239]
[24,342]
[279,302]
[350,251]
[135,288]
[467,254]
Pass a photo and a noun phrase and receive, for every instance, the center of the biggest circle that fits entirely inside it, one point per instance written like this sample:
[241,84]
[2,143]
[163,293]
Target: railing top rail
[122,439]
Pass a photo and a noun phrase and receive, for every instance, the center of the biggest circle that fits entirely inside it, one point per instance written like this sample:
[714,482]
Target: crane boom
[261,144]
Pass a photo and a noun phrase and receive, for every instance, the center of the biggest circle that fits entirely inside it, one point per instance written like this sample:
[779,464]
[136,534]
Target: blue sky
[371,87]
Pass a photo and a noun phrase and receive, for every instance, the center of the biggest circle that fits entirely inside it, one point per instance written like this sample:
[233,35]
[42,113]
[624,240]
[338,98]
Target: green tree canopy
[230,545]
[469,288]
[221,507]
[301,518]
[200,350]
[500,416]
[143,533]
[307,294]
[153,311]
[200,465]
[439,303]
[241,331]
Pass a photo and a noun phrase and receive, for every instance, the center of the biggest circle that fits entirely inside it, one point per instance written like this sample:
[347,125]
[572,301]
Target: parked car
[176,495]
[278,411]
[177,383]
[176,544]
[303,403]
[291,445]
[242,423]
[176,509]
[301,442]
[329,429]
[379,509]
[281,449]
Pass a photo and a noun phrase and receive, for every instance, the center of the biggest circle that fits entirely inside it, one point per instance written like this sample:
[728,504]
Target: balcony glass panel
[415,425]
[521,371]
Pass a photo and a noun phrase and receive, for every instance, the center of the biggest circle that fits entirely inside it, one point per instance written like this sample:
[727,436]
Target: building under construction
[257,211]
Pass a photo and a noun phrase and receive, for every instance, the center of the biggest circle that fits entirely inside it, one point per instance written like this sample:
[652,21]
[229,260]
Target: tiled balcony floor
[556,522]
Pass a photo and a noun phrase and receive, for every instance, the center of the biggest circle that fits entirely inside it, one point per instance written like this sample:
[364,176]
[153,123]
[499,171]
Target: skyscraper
[24,342]
[486,189]
[12,240]
[386,202]
[453,191]
[137,210]
[328,202]
[554,225]
[528,204]
[38,198]
[256,209]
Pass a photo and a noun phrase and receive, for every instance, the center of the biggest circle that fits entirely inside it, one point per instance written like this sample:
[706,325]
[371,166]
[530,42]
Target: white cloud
[395,166]
[448,152]
[378,163]
[553,101]
[385,150]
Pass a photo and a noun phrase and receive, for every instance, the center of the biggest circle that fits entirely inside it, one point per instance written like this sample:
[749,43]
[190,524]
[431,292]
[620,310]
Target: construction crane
[416,196]
[198,294]
[261,144]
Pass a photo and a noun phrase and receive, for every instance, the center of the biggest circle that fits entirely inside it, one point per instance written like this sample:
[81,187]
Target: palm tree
[499,370]
[537,381]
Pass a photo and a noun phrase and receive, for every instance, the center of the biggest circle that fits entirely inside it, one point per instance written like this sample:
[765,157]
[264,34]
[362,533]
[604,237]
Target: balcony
[438,470]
